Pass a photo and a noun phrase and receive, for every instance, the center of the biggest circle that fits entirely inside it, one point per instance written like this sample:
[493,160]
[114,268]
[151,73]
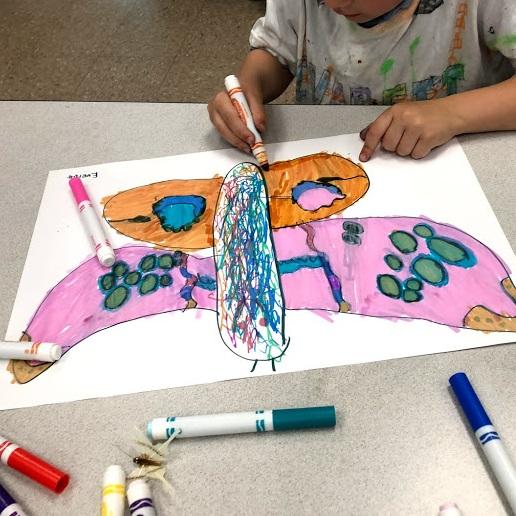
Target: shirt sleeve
[497,20]
[277,32]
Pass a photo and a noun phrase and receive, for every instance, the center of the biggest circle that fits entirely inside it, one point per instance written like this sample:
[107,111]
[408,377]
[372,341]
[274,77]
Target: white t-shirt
[429,49]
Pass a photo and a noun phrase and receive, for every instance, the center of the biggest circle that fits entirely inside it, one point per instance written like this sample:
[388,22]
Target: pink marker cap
[78,190]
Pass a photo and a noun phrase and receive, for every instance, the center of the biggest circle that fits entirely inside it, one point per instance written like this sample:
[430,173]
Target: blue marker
[487,436]
[241,422]
[8,506]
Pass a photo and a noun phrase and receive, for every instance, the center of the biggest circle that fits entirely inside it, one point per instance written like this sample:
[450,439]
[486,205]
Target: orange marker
[239,101]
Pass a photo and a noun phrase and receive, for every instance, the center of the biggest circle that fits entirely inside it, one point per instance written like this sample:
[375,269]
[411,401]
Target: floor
[121,50]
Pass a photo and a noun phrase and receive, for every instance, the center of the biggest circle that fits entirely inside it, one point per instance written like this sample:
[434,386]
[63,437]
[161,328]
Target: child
[457,57]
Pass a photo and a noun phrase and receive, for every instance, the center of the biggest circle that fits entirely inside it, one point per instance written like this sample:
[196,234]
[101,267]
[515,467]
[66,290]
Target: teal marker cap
[298,418]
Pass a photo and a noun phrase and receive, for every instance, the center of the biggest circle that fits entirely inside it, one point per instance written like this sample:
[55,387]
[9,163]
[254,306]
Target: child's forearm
[492,108]
[263,74]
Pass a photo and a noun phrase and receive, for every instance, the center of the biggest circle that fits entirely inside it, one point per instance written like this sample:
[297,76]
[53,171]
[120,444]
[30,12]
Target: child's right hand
[225,118]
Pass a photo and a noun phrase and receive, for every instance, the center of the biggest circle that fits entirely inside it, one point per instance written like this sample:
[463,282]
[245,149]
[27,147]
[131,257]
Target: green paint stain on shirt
[415,44]
[386,66]
[503,41]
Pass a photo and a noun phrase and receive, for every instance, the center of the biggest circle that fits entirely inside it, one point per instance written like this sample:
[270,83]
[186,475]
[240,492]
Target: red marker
[92,224]
[33,467]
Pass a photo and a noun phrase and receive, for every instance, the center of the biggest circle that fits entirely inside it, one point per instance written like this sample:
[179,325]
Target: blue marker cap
[311,417]
[469,401]
[5,499]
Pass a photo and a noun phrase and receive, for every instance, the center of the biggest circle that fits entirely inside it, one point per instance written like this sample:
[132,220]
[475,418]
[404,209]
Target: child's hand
[225,118]
[410,128]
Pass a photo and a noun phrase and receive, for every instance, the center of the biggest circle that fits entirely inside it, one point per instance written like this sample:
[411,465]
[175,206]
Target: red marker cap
[33,467]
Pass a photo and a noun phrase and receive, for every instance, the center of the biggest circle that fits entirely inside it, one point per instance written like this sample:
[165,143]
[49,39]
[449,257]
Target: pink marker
[92,224]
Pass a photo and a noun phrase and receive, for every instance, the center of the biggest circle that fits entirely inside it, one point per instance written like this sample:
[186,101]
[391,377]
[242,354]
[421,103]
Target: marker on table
[244,112]
[113,491]
[8,505]
[161,429]
[449,509]
[487,436]
[24,350]
[139,497]
[33,467]
[92,224]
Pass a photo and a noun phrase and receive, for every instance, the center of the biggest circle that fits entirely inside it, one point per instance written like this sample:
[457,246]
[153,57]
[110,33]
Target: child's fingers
[393,136]
[407,143]
[220,108]
[421,149]
[227,134]
[258,112]
[375,134]
[233,122]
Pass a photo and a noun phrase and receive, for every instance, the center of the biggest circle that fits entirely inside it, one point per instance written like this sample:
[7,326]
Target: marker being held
[25,350]
[244,112]
[92,223]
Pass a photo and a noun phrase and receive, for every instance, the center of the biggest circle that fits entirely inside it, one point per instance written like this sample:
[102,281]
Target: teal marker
[163,428]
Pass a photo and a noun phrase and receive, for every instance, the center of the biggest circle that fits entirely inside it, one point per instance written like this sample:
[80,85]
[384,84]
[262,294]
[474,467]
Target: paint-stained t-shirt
[429,49]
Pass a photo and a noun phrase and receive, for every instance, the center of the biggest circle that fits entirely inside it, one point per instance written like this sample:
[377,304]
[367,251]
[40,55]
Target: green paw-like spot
[147,263]
[116,298]
[430,270]
[352,227]
[120,268]
[107,282]
[132,278]
[149,284]
[404,242]
[351,238]
[393,262]
[451,251]
[165,280]
[413,284]
[423,230]
[389,285]
[411,296]
[165,261]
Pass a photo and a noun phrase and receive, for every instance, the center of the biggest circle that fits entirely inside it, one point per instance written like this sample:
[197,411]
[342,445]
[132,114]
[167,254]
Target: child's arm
[263,78]
[415,128]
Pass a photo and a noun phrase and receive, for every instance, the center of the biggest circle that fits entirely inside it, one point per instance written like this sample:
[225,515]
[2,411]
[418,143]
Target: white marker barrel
[139,497]
[487,436]
[13,510]
[23,350]
[499,460]
[113,491]
[239,101]
[241,422]
[92,225]
[449,509]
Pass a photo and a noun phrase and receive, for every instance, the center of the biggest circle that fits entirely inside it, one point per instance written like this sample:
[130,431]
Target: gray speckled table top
[400,446]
